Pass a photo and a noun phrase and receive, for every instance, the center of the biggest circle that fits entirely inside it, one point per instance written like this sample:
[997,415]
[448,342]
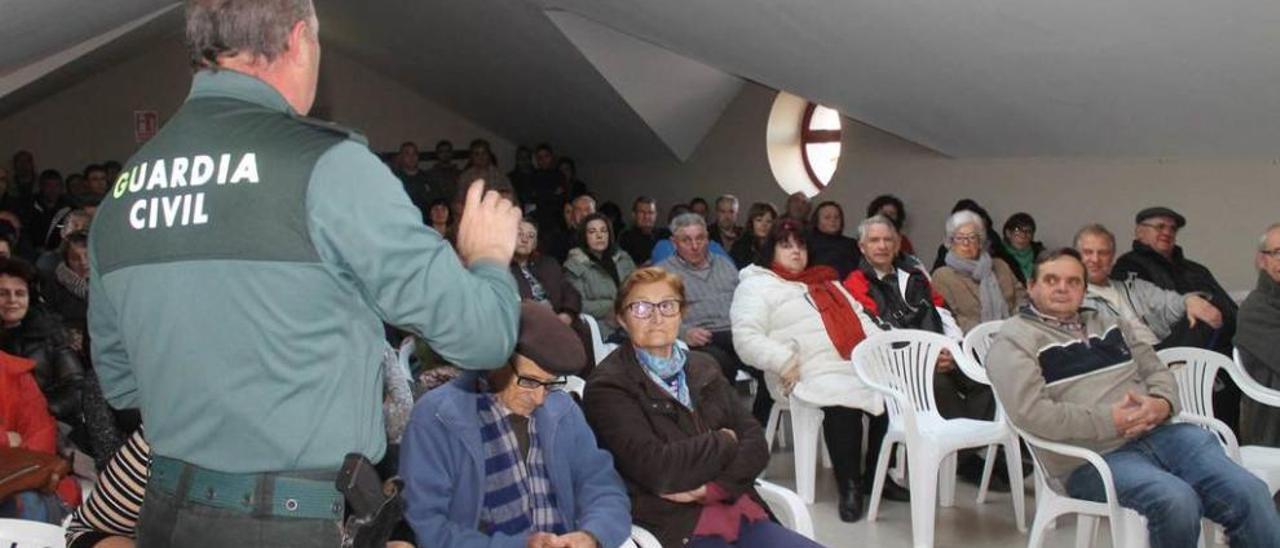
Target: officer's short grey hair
[961,218]
[687,219]
[216,28]
[873,220]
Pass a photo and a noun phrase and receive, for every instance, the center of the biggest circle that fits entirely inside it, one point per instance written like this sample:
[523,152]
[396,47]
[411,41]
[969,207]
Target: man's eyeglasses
[966,239]
[1274,253]
[531,383]
[1161,227]
[642,310]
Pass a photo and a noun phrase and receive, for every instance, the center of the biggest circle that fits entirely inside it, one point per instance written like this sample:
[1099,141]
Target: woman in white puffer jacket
[799,325]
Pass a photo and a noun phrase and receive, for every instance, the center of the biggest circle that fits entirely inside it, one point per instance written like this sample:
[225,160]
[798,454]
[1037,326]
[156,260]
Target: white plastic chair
[806,433]
[976,345]
[640,538]
[900,364]
[404,354]
[1128,527]
[1195,369]
[21,533]
[785,504]
[791,512]
[600,348]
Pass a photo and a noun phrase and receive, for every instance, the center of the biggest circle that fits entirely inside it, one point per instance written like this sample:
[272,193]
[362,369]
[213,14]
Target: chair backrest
[404,353]
[1195,370]
[977,342]
[1249,385]
[598,346]
[21,533]
[900,364]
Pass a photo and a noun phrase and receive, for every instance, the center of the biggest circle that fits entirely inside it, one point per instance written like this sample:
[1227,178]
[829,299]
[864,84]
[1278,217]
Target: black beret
[548,342]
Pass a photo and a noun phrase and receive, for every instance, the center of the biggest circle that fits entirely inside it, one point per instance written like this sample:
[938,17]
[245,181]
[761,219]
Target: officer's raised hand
[488,227]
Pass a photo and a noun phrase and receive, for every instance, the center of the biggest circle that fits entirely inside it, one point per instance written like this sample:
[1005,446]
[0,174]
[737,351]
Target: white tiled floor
[967,524]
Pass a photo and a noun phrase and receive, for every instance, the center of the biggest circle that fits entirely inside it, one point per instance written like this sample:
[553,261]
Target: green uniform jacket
[242,267]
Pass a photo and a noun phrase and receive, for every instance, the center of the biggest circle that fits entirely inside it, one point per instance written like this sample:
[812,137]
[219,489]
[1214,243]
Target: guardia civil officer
[243,264]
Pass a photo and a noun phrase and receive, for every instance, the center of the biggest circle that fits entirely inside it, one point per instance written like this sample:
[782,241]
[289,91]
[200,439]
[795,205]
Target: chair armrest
[642,538]
[1218,427]
[785,501]
[1104,470]
[1250,386]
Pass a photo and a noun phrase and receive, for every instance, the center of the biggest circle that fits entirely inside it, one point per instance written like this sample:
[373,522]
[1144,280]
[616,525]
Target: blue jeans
[1176,474]
[759,534]
[34,506]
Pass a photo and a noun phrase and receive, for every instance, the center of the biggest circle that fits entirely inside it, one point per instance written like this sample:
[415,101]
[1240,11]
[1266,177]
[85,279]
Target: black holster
[375,506]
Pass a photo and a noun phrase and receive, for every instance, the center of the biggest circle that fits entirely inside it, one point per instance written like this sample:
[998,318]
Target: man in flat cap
[506,458]
[1157,258]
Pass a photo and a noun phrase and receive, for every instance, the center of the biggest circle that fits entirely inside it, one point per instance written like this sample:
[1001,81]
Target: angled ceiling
[985,78]
[1000,77]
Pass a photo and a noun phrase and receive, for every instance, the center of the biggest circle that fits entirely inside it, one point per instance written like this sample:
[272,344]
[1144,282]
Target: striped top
[708,291]
[112,507]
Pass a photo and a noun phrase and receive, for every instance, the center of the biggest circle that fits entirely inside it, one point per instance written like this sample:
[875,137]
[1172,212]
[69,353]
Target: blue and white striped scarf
[669,372]
[518,497]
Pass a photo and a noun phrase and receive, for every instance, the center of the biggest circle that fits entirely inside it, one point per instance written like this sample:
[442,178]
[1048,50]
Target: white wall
[1227,202]
[92,121]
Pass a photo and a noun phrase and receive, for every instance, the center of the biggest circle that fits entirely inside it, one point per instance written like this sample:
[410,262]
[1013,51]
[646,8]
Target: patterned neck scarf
[518,496]
[73,282]
[669,372]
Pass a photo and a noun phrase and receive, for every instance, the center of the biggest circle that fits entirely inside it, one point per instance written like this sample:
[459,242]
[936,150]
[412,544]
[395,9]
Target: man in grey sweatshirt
[1067,374]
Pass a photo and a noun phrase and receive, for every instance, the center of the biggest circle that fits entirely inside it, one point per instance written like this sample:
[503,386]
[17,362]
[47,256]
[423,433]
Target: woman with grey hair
[976,288]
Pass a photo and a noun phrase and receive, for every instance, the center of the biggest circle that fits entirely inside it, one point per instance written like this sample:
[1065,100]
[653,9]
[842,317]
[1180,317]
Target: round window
[803,140]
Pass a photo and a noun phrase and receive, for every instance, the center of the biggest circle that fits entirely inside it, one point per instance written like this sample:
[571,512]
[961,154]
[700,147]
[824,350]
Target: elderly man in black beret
[506,458]
[1157,258]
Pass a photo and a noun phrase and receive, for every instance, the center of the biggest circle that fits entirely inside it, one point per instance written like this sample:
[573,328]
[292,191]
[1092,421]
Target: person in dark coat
[687,450]
[827,243]
[760,220]
[1258,341]
[1157,258]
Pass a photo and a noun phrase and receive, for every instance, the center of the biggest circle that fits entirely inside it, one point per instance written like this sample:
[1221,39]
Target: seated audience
[760,220]
[503,458]
[827,243]
[797,207]
[1258,341]
[1066,374]
[569,180]
[440,218]
[976,287]
[1153,313]
[639,239]
[665,248]
[688,451]
[793,320]
[614,213]
[442,177]
[26,424]
[481,164]
[547,192]
[30,331]
[541,279]
[699,206]
[416,182]
[596,268]
[67,288]
[709,282]
[522,172]
[892,208]
[726,229]
[895,291]
[6,244]
[992,238]
[1157,258]
[49,199]
[1018,247]
[76,220]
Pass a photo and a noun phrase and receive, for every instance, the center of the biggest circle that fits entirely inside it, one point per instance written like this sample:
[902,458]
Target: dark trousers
[168,521]
[842,430]
[721,348]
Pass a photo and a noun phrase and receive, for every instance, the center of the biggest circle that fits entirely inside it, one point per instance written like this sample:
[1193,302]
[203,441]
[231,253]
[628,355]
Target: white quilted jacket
[774,318]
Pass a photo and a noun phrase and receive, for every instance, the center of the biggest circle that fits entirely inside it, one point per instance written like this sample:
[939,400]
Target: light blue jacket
[442,463]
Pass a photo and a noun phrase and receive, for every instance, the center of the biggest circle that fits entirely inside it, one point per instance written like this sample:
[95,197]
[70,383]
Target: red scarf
[842,323]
